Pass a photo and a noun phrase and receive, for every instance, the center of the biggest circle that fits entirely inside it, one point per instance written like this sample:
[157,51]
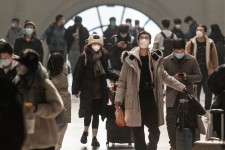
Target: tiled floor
[75,129]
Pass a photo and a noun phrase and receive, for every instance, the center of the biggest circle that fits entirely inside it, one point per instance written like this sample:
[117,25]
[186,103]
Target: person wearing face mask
[132,30]
[204,50]
[29,41]
[140,88]
[14,32]
[120,42]
[185,69]
[89,84]
[192,28]
[110,31]
[75,37]
[7,64]
[177,28]
[41,102]
[54,36]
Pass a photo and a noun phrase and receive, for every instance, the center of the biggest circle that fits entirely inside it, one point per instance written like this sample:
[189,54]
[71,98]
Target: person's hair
[16,20]
[188,18]
[128,20]
[55,64]
[6,48]
[203,26]
[112,18]
[179,44]
[177,21]
[58,17]
[137,21]
[77,19]
[123,28]
[166,23]
[144,32]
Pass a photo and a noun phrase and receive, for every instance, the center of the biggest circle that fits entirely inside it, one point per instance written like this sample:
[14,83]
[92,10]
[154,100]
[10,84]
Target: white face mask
[96,48]
[29,31]
[178,26]
[199,34]
[13,25]
[5,62]
[123,35]
[143,43]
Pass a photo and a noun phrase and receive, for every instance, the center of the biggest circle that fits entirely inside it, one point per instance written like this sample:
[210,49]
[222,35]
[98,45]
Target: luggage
[186,137]
[212,143]
[116,134]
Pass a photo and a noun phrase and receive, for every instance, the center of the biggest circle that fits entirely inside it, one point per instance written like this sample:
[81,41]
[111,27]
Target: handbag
[201,126]
[120,120]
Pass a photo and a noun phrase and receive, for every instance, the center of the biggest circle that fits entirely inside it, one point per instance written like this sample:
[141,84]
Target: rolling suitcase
[116,134]
[212,143]
[185,138]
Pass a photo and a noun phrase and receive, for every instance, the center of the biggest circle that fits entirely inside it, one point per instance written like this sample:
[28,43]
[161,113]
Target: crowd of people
[39,98]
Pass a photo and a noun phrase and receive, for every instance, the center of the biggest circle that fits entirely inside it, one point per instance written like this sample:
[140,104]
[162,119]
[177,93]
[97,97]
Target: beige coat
[211,53]
[129,87]
[46,130]
[60,81]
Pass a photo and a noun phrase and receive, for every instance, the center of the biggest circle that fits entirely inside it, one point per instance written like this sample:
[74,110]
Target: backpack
[216,81]
[167,44]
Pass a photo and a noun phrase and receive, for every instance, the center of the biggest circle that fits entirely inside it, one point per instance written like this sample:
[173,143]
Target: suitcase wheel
[129,144]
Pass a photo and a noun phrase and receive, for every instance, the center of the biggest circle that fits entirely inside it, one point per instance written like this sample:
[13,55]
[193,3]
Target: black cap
[6,48]
[30,59]
[123,28]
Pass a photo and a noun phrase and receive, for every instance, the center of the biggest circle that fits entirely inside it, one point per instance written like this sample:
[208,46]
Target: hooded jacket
[129,86]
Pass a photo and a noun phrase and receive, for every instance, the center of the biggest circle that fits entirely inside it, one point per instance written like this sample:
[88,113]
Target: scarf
[98,68]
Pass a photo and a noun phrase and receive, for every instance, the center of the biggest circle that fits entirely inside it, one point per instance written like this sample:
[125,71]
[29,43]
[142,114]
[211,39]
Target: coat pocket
[130,95]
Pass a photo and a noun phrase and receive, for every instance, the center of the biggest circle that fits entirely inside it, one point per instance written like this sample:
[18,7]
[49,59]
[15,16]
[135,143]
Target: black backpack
[167,44]
[216,81]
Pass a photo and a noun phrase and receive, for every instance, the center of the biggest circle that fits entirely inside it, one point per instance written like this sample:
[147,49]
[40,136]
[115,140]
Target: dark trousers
[96,106]
[150,120]
[50,148]
[171,119]
[207,91]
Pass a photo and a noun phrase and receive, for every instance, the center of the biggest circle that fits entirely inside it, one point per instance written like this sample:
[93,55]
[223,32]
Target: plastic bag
[120,120]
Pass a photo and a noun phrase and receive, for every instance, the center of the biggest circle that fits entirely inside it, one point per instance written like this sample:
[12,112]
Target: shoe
[95,142]
[83,139]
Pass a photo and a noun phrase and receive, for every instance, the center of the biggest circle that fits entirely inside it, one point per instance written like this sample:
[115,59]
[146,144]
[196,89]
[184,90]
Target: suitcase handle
[212,111]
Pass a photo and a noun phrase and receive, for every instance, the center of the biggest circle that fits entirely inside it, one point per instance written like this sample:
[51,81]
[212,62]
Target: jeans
[73,57]
[207,91]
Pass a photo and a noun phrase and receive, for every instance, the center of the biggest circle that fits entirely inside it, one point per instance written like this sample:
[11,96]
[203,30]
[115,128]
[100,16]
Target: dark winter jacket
[108,33]
[55,37]
[83,82]
[179,33]
[115,52]
[83,36]
[192,31]
[35,44]
[11,73]
[12,132]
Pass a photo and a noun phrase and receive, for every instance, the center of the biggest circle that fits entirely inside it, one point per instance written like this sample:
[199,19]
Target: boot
[84,137]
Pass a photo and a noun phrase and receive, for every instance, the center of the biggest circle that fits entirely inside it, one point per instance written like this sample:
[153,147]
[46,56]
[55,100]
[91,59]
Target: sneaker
[95,142]
[84,137]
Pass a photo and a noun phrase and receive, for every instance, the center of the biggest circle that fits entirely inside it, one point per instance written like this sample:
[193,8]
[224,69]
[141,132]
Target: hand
[117,104]
[124,46]
[29,106]
[120,44]
[178,77]
[75,34]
